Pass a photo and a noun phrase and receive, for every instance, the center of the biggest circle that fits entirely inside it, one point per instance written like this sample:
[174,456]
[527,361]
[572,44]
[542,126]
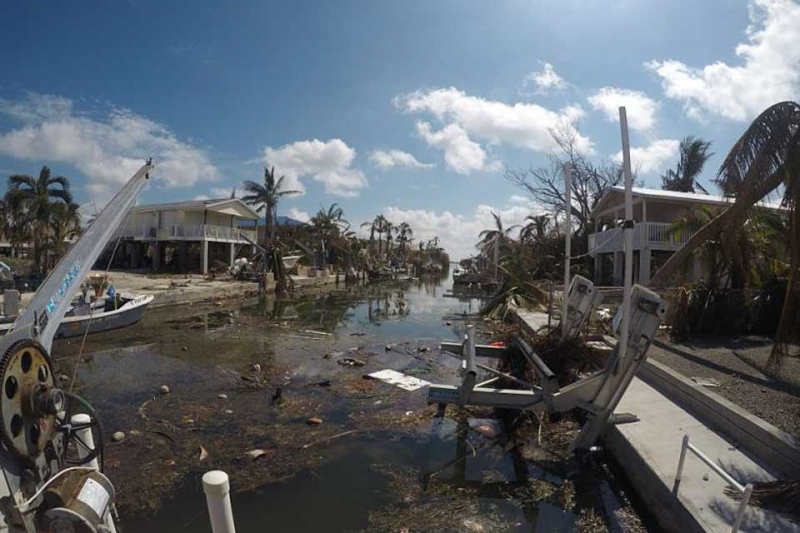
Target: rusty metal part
[28,400]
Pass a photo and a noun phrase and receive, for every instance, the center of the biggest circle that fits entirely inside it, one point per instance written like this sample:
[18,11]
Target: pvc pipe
[85,434]
[627,232]
[218,498]
[567,246]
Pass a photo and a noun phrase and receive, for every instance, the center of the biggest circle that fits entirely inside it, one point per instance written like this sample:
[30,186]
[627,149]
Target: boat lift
[51,442]
[597,395]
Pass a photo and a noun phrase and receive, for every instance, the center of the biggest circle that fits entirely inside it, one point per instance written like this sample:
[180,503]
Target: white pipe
[627,232]
[567,246]
[218,498]
[85,434]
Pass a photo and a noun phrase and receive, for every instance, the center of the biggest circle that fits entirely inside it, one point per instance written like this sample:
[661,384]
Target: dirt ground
[739,366]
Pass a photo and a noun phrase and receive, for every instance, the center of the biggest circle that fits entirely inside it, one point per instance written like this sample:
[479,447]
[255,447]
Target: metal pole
[627,231]
[218,498]
[680,465]
[567,246]
[748,491]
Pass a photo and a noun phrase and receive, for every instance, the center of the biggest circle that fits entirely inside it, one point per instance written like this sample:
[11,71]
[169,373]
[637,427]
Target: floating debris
[118,436]
[314,421]
[351,361]
[255,454]
[164,389]
[203,454]
[222,396]
[393,377]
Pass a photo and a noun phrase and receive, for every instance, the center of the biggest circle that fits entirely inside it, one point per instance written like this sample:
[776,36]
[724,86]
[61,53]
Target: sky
[412,109]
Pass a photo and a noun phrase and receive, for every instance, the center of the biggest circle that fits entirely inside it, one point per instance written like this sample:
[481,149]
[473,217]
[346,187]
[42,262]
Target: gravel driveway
[738,365]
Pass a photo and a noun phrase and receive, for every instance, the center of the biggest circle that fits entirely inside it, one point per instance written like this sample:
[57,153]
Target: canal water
[396,466]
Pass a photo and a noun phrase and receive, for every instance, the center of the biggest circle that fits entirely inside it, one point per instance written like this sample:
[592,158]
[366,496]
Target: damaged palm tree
[765,159]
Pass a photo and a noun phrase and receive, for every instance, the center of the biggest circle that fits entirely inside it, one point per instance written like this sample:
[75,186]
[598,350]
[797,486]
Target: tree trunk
[729,218]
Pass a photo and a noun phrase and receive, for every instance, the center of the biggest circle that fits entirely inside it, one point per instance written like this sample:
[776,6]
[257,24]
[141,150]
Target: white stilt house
[654,212]
[186,236]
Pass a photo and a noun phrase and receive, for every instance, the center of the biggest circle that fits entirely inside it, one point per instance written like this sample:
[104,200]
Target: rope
[91,317]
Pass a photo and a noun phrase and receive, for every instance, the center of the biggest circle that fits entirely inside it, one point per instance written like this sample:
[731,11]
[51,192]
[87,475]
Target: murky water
[399,469]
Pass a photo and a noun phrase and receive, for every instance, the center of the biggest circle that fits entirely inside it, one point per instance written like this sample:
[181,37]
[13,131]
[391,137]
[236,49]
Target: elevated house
[186,236]
[654,213]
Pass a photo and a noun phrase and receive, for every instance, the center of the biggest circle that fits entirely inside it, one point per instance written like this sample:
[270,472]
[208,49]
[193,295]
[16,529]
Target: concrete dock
[649,450]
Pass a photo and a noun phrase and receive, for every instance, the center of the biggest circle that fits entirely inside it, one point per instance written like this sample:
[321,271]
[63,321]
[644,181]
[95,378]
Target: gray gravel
[738,365]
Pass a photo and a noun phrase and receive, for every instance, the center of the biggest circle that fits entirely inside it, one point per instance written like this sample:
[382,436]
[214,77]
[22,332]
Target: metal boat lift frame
[597,395]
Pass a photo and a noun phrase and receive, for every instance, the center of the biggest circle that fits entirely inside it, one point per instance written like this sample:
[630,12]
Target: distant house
[654,212]
[186,236]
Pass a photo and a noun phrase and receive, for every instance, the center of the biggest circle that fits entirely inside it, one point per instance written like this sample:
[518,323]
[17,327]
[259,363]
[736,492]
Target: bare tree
[546,184]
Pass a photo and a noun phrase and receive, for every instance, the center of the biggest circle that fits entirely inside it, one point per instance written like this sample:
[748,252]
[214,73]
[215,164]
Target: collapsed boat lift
[597,395]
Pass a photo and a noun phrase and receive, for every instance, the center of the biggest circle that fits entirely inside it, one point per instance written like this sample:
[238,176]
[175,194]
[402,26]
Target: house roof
[615,196]
[228,206]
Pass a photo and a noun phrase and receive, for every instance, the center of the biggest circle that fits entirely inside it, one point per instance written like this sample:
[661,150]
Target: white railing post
[748,491]
[218,497]
[680,465]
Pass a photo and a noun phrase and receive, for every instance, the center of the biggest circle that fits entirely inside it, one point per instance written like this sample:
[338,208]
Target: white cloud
[640,108]
[201,197]
[769,70]
[461,154]
[297,214]
[545,80]
[327,162]
[386,159]
[652,159]
[523,125]
[458,234]
[107,147]
[225,192]
[518,199]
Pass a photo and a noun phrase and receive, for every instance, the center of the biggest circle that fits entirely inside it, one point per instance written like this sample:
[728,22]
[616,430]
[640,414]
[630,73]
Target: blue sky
[408,108]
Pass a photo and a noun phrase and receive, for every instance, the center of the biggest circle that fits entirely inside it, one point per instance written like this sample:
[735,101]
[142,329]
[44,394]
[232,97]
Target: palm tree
[404,234]
[265,198]
[499,234]
[35,200]
[65,225]
[764,159]
[694,153]
[536,228]
[328,225]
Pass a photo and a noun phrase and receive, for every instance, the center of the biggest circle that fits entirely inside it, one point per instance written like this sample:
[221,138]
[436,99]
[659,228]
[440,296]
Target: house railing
[645,234]
[186,232]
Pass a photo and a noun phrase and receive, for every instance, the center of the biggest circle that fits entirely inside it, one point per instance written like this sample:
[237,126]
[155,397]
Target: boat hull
[123,317]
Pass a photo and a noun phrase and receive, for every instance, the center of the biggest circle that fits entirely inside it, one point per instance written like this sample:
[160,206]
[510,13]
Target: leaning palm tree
[694,153]
[499,233]
[265,198]
[766,158]
[35,199]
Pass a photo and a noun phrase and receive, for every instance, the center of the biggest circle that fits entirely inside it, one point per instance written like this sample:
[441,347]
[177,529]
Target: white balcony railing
[191,232]
[656,235]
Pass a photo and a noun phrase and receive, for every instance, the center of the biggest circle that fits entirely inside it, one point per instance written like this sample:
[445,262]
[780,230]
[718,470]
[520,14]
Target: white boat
[290,260]
[100,315]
